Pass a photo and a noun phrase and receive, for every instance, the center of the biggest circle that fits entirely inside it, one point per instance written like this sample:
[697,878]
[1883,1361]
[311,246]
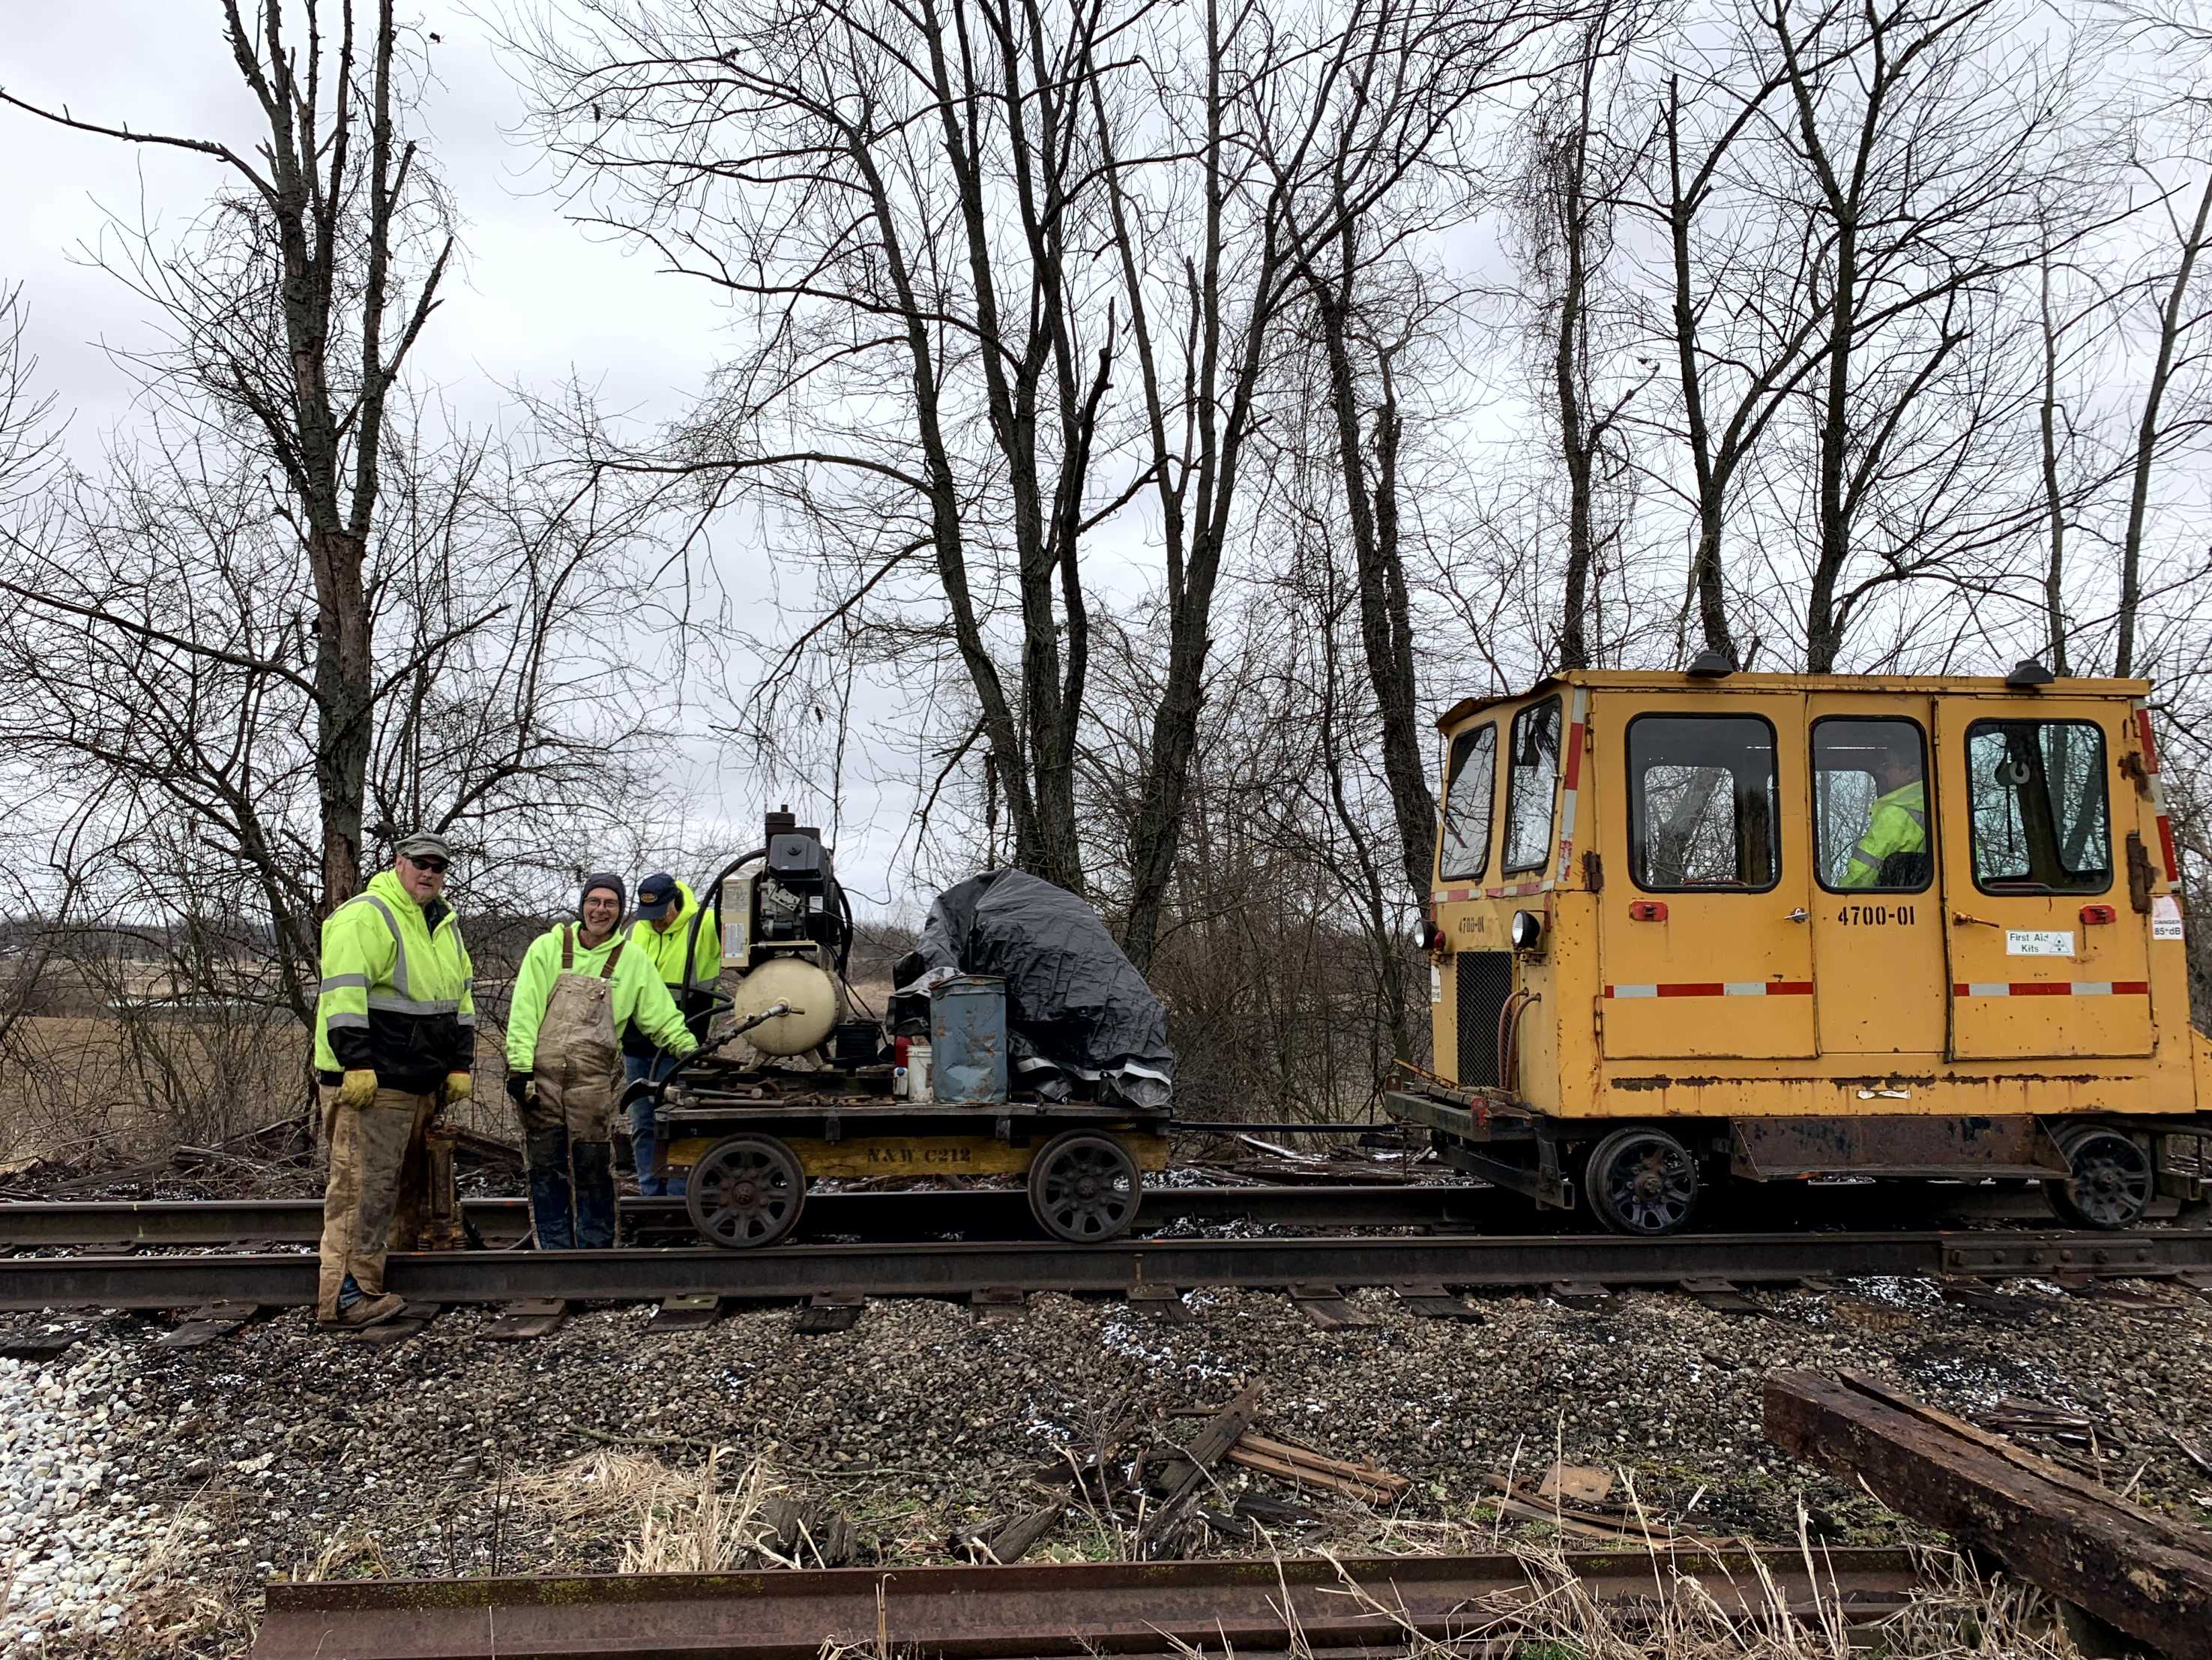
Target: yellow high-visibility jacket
[688,955]
[396,994]
[637,997]
[1898,822]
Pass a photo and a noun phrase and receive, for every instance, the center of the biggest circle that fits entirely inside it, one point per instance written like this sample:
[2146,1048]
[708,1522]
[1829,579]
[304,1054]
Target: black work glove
[518,1087]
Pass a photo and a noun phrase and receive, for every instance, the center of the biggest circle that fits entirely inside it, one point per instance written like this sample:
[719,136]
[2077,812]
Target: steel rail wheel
[1641,1180]
[2112,1183]
[744,1192]
[1084,1187]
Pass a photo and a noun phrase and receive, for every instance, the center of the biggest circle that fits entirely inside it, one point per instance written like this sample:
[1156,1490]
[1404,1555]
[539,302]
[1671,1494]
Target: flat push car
[1021,1042]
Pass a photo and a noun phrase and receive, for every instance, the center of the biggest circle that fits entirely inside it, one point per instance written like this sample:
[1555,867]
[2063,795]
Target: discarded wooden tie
[2145,1574]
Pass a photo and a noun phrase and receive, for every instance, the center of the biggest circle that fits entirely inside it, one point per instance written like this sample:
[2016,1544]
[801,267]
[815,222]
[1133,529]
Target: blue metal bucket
[968,1040]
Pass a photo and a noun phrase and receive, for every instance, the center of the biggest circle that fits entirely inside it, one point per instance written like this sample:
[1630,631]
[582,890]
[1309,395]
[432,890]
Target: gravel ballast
[151,1490]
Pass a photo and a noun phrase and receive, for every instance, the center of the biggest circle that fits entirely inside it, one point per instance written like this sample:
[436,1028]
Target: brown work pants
[379,1185]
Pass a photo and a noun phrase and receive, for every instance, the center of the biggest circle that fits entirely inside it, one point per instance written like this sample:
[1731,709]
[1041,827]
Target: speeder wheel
[745,1191]
[1084,1187]
[1641,1180]
[2111,1180]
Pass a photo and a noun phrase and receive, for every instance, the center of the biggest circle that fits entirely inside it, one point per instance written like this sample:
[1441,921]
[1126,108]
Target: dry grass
[679,1521]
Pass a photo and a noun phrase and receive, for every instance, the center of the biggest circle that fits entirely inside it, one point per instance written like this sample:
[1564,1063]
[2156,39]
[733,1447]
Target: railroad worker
[395,1041]
[1897,821]
[683,939]
[581,986]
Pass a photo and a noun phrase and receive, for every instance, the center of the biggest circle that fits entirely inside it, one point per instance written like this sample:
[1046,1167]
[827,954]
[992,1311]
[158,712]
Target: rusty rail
[1373,1605]
[1002,1213]
[961,1268]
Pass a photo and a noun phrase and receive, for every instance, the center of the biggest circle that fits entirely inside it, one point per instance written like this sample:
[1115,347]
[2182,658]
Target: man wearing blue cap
[683,941]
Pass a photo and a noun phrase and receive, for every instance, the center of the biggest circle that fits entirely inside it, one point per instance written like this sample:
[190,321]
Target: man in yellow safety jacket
[1897,822]
[395,1041]
[682,940]
[579,988]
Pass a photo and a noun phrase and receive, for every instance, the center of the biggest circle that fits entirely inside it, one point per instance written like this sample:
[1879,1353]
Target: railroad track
[1355,1606]
[1317,1267]
[990,1213]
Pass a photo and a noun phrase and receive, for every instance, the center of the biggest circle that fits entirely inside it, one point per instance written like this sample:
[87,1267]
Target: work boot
[548,1152]
[594,1163]
[368,1311]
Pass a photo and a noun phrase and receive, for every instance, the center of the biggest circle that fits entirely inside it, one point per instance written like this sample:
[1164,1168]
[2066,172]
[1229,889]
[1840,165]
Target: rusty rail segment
[990,1212]
[960,1268]
[1373,1605]
[997,1214]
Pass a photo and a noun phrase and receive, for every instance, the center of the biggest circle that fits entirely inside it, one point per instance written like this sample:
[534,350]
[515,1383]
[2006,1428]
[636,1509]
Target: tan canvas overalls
[568,1119]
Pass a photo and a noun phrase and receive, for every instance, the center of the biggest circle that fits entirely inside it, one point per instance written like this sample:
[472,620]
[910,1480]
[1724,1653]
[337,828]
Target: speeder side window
[2037,798]
[1703,806]
[1468,792]
[1529,786]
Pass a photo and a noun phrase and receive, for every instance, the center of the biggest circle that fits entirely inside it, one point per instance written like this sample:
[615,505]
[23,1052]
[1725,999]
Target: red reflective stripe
[1719,988]
[2149,745]
[2166,848]
[1574,755]
[2051,988]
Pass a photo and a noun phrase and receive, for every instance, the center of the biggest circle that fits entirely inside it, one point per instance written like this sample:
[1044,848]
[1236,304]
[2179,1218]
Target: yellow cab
[1695,927]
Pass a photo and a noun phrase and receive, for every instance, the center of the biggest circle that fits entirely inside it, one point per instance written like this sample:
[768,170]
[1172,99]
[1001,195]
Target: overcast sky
[537,298]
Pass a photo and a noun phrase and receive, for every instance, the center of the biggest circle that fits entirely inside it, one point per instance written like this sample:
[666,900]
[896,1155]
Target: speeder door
[1705,946]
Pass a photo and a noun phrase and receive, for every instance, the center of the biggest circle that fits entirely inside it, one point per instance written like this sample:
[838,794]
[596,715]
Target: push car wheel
[2112,1181]
[1641,1182]
[744,1192]
[1084,1187]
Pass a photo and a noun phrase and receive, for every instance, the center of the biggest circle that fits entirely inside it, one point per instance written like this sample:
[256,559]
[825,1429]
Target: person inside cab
[1892,851]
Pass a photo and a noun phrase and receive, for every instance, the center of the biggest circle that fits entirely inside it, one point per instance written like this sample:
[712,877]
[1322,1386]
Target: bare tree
[1928,147]
[2179,345]
[1737,320]
[291,312]
[1577,168]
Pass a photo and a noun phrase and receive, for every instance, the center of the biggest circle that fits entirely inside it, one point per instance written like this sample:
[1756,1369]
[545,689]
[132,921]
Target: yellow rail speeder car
[1694,926]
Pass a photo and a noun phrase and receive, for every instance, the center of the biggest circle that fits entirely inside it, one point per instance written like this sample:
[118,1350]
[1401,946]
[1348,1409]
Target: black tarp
[1075,1003]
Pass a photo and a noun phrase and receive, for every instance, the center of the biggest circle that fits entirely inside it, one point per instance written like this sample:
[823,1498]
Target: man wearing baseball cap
[395,1041]
[683,942]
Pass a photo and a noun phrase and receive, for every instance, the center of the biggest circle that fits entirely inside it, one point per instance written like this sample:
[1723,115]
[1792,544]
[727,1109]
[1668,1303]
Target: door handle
[1798,915]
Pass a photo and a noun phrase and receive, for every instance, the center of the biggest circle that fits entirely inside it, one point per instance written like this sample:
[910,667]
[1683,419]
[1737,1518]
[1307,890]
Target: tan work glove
[459,1085]
[358,1089]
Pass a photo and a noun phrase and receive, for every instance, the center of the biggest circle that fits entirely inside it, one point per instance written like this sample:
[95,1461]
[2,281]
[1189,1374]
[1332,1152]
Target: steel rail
[963,1268]
[990,1212]
[997,1213]
[1357,1606]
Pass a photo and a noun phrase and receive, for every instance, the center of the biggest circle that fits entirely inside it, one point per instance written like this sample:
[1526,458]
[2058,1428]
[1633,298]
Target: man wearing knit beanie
[578,990]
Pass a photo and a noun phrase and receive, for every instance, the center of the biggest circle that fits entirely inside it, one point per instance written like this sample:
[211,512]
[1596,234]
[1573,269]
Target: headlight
[1527,930]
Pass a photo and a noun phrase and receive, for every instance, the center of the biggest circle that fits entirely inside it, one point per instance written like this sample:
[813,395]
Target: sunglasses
[434,865]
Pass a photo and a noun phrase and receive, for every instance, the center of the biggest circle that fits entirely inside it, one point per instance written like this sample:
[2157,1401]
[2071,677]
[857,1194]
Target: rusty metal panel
[1769,1149]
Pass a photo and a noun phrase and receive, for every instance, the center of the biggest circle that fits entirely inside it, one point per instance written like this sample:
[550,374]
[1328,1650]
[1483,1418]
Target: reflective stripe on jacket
[397,993]
[688,956]
[638,999]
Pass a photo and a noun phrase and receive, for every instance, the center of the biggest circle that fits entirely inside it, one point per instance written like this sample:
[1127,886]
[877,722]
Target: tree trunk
[2146,437]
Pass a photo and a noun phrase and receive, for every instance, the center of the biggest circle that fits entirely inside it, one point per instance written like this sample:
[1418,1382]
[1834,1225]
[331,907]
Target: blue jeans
[648,1068]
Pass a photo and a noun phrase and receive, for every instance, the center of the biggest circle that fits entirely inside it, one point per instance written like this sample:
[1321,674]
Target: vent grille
[1481,982]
